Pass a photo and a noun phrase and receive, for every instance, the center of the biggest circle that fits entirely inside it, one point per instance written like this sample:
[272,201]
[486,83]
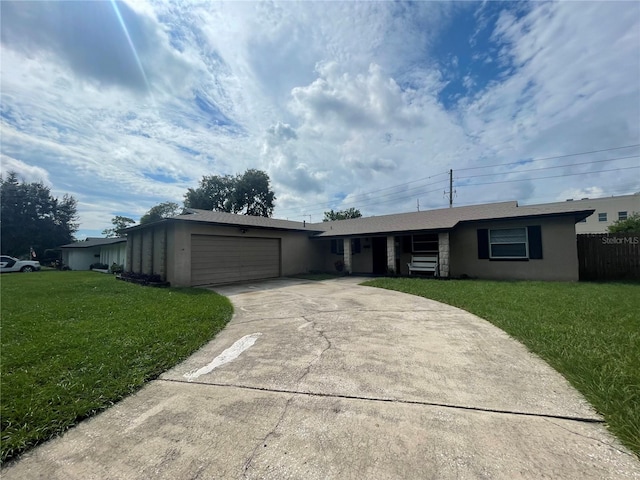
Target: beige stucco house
[495,241]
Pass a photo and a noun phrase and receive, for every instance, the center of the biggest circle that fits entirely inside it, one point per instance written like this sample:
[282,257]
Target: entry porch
[388,254]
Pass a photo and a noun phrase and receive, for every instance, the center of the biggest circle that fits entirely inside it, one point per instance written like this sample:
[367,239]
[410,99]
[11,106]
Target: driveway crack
[319,356]
[617,449]
[263,443]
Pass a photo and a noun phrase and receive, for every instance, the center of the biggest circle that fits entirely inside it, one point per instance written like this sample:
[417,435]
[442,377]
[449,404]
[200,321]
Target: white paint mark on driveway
[227,356]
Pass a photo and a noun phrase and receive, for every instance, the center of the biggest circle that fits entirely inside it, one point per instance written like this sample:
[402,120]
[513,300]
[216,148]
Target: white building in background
[607,211]
[81,255]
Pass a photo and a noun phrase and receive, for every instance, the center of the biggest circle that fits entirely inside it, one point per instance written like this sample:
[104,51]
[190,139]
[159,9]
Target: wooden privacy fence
[609,256]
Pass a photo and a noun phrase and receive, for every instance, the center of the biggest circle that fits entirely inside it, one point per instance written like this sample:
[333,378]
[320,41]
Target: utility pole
[418,203]
[450,188]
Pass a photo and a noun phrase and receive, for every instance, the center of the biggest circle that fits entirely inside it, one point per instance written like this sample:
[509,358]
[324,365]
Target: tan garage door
[217,259]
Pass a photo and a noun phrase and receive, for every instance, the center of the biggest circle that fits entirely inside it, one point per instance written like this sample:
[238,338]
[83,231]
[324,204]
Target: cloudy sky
[344,104]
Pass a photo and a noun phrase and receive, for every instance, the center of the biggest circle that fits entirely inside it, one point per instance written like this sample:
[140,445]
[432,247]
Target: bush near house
[98,266]
[74,343]
[589,332]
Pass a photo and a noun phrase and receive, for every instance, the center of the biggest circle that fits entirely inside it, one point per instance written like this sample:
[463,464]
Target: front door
[379,252]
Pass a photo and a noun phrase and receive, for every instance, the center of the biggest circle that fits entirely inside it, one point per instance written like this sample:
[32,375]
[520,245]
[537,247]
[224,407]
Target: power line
[378,202]
[542,178]
[354,202]
[547,168]
[549,158]
[363,196]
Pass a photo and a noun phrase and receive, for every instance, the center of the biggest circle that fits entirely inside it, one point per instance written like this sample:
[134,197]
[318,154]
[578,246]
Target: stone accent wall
[443,254]
[391,254]
[348,266]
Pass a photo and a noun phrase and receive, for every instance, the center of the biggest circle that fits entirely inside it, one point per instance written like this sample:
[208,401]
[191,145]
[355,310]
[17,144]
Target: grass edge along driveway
[589,332]
[74,343]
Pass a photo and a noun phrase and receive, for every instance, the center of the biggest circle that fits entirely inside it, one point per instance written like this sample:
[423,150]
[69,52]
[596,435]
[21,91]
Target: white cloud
[336,101]
[24,171]
[371,100]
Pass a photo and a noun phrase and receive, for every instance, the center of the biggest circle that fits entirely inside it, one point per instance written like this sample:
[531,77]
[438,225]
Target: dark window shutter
[334,246]
[483,243]
[535,241]
[406,244]
[356,245]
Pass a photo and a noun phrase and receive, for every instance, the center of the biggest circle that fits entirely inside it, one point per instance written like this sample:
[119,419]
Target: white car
[10,264]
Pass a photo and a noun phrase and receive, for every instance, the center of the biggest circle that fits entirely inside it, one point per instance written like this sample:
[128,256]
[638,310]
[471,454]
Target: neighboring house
[81,255]
[499,241]
[608,210]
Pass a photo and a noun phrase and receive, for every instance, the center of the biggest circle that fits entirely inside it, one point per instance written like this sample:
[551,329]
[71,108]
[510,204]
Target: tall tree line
[30,217]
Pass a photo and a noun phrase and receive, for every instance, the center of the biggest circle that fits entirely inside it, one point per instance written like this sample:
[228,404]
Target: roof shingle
[94,242]
[440,219]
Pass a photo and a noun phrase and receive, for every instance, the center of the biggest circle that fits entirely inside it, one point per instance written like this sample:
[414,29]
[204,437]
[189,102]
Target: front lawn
[589,332]
[73,343]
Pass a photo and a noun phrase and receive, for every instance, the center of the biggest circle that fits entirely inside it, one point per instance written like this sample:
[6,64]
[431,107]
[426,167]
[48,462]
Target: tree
[630,225]
[31,217]
[158,212]
[247,194]
[119,223]
[341,214]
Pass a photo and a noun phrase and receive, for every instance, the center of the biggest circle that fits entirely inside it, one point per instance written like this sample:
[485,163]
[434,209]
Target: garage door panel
[217,259]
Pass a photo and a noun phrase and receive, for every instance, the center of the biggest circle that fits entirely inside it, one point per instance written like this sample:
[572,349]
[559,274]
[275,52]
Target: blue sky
[343,104]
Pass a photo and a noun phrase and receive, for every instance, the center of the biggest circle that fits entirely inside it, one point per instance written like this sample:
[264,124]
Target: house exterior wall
[115,253]
[135,239]
[159,258]
[165,249]
[361,262]
[559,252]
[80,258]
[327,259]
[405,258]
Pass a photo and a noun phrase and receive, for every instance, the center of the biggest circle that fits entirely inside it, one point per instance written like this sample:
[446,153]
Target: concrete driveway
[320,380]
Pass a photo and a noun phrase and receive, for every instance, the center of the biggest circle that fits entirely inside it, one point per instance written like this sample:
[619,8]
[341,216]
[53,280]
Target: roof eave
[383,233]
[577,214]
[219,224]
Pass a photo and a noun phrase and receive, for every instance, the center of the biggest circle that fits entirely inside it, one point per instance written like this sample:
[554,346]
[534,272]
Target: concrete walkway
[331,380]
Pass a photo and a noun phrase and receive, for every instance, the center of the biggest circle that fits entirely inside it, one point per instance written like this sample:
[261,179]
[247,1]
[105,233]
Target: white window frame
[602,216]
[518,257]
[623,215]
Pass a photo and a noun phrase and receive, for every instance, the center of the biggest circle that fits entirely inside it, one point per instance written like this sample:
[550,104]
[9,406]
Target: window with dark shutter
[535,242]
[483,243]
[406,244]
[520,243]
[337,246]
[355,245]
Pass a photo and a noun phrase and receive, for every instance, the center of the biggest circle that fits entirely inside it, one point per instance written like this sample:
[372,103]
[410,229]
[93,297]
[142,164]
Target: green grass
[589,332]
[73,343]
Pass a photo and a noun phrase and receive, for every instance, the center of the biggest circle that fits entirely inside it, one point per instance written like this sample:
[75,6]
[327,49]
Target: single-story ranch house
[81,255]
[493,241]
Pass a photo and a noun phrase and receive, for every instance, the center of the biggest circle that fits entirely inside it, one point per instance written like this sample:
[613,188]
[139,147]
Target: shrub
[115,268]
[141,277]
[98,266]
